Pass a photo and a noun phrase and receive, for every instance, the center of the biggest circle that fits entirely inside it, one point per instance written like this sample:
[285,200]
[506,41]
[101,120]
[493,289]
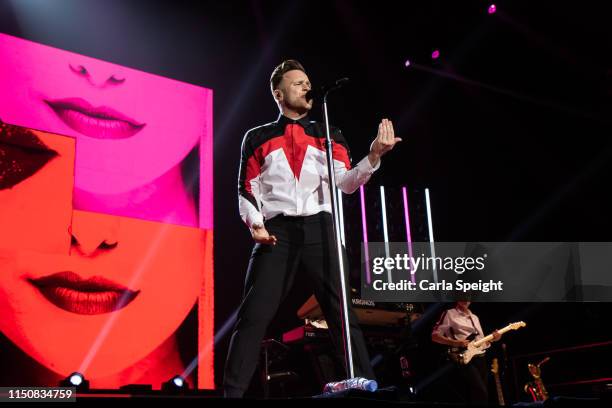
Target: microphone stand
[348,349]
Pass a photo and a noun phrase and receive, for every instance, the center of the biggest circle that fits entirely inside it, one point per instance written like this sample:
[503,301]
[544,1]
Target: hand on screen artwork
[261,235]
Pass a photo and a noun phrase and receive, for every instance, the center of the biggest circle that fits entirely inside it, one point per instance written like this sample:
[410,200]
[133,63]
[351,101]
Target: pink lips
[95,295]
[99,122]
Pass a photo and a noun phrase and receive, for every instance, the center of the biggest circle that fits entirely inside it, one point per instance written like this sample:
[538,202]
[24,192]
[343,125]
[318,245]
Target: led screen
[105,221]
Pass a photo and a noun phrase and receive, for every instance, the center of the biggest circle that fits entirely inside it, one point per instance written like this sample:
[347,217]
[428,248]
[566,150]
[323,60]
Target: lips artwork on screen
[99,122]
[95,295]
[106,222]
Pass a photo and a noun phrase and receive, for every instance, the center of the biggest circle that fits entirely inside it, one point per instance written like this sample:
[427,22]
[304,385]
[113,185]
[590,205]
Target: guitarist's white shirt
[456,324]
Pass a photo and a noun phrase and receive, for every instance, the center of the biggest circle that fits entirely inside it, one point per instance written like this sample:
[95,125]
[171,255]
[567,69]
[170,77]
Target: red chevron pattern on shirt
[283,170]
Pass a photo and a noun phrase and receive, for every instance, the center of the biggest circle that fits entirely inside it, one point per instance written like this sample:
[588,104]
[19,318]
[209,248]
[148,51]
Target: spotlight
[175,385]
[178,381]
[407,63]
[435,54]
[77,380]
[492,9]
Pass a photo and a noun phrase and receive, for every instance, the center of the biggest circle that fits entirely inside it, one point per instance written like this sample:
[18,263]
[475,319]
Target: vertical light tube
[408,234]
[431,236]
[383,208]
[365,235]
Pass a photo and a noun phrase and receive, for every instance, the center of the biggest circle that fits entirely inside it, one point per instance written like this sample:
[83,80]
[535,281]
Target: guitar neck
[490,336]
[500,393]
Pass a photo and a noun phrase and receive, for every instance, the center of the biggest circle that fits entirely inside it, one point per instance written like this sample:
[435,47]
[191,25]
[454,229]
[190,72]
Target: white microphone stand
[348,349]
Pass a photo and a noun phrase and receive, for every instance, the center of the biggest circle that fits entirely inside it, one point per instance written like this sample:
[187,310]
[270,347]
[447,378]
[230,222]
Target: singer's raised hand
[384,142]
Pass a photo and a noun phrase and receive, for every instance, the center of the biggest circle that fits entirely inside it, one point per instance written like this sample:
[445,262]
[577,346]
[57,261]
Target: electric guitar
[498,387]
[463,355]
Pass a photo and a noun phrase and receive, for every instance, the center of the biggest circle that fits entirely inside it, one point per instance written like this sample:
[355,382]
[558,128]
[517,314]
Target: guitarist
[456,328]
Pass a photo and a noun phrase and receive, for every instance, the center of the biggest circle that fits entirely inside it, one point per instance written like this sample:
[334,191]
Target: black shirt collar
[283,121]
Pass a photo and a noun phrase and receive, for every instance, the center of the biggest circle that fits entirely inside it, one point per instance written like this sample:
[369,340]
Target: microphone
[320,93]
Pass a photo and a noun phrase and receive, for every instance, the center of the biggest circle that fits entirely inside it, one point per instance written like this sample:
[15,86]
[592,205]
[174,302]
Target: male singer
[284,199]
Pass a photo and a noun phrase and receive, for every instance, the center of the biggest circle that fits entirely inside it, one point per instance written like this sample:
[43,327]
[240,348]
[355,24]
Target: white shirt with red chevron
[283,170]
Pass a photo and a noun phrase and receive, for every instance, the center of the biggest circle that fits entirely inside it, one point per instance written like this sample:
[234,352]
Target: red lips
[99,122]
[95,295]
[22,154]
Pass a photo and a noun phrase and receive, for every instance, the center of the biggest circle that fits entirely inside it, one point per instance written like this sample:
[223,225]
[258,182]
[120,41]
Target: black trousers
[304,245]
[470,382]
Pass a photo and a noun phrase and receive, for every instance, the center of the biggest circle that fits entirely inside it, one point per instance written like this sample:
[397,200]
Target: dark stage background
[509,127]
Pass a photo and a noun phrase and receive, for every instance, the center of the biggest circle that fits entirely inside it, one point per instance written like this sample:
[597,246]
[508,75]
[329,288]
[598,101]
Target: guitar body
[464,355]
